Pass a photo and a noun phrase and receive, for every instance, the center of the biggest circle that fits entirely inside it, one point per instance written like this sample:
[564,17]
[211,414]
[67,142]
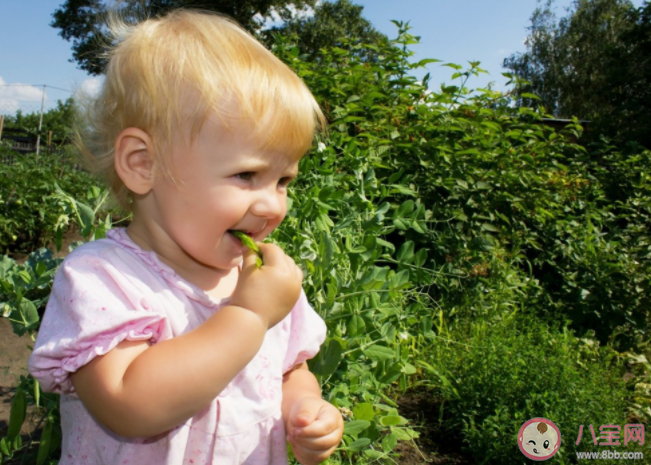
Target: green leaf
[402,434]
[4,448]
[6,264]
[406,252]
[427,61]
[389,442]
[405,210]
[400,224]
[400,189]
[328,358]
[399,280]
[87,216]
[409,369]
[386,244]
[393,420]
[489,227]
[356,326]
[359,445]
[420,258]
[373,454]
[28,317]
[355,427]
[364,411]
[379,353]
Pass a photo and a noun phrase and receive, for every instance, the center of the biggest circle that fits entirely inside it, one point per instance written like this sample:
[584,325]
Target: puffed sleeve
[95,304]
[307,333]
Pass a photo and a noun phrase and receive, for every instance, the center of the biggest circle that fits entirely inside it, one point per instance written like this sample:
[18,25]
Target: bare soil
[434,445]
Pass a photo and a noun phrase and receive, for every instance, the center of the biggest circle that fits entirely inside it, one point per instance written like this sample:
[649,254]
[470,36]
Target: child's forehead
[246,140]
[235,146]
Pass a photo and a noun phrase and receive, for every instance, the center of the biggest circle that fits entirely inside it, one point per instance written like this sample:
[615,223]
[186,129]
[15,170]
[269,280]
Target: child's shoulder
[109,249]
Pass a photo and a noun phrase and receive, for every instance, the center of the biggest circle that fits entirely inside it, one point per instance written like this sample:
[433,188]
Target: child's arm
[142,390]
[314,427]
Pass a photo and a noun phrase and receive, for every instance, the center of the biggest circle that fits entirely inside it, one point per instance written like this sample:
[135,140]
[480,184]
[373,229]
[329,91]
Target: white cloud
[91,86]
[15,96]
[274,19]
[502,52]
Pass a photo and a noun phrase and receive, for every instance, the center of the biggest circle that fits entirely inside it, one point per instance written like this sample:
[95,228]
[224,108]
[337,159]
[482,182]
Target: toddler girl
[167,343]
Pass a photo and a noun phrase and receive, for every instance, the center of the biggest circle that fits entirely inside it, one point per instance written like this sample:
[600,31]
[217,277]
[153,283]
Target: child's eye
[246,176]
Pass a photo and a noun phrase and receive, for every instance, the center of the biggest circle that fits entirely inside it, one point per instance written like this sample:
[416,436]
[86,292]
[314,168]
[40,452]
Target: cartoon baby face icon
[539,439]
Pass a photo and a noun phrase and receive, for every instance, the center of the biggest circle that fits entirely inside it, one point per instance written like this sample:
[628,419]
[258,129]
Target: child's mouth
[230,231]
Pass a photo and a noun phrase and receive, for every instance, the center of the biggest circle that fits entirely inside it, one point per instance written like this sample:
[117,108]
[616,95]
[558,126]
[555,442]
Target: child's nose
[269,204]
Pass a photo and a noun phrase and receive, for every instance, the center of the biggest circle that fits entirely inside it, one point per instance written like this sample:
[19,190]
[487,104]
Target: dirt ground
[13,363]
[434,446]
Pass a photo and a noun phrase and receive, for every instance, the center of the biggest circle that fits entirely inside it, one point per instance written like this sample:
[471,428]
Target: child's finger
[304,413]
[315,429]
[326,421]
[249,259]
[308,456]
[319,443]
[273,255]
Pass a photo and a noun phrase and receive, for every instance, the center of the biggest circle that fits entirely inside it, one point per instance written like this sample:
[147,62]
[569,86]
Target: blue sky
[458,31]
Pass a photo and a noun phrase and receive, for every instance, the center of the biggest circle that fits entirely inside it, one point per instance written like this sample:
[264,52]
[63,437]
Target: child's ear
[134,151]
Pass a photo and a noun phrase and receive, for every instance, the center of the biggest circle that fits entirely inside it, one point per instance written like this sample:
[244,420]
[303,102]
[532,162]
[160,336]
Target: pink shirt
[110,290]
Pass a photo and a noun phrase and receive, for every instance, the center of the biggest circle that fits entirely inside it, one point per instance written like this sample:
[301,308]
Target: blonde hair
[168,75]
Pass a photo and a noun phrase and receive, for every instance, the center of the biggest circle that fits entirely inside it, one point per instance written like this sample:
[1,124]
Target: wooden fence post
[2,123]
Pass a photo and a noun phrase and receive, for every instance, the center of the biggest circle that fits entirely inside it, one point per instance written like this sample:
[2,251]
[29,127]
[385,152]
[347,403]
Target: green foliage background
[592,63]
[452,243]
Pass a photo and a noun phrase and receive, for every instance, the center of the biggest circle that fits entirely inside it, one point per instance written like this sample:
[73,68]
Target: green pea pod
[37,393]
[247,241]
[17,414]
[44,446]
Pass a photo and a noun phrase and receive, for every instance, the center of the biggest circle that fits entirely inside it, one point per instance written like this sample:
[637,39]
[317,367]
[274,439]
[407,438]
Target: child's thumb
[305,414]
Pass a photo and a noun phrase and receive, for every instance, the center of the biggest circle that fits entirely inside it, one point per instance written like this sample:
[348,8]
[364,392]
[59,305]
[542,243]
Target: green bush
[28,216]
[462,174]
[502,375]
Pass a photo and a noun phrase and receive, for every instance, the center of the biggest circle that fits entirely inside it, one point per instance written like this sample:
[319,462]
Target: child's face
[224,182]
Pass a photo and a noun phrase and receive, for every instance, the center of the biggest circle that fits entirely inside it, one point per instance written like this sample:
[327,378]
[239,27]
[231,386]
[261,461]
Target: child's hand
[272,290]
[314,429]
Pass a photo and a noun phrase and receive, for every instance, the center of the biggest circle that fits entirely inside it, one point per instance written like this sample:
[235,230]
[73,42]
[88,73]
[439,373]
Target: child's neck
[216,282]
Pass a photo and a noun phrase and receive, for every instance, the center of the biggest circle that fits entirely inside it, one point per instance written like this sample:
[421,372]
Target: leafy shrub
[27,216]
[503,375]
[462,174]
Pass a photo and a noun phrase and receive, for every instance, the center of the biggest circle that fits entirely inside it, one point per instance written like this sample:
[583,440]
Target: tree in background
[331,24]
[592,63]
[84,21]
[627,99]
[59,120]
